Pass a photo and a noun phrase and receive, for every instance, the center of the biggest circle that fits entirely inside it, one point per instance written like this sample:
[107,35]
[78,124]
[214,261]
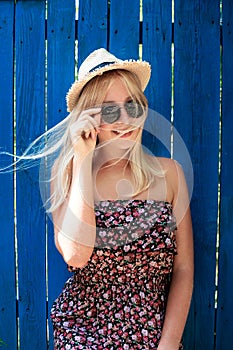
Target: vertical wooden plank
[124,29]
[196,116]
[30,73]
[92,27]
[8,330]
[60,75]
[224,333]
[157,41]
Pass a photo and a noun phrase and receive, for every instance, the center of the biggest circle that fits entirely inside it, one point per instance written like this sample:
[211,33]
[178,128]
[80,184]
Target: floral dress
[118,300]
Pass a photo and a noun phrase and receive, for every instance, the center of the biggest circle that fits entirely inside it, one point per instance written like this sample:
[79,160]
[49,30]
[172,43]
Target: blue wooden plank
[8,330]
[30,91]
[196,116]
[224,334]
[60,75]
[92,27]
[124,29]
[156,48]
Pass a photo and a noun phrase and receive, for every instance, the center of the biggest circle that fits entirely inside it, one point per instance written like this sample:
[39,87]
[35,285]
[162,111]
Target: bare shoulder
[173,172]
[168,164]
[170,167]
[173,176]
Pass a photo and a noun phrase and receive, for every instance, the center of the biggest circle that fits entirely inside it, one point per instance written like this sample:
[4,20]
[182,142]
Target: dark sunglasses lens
[110,114]
[134,109]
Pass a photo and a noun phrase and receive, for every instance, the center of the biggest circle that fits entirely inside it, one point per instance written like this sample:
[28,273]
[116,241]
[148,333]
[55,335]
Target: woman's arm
[74,220]
[182,278]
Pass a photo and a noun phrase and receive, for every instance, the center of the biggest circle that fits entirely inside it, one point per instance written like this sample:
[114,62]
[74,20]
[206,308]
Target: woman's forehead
[117,90]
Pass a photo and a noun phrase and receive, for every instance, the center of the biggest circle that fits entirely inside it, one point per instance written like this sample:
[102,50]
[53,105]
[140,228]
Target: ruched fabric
[118,300]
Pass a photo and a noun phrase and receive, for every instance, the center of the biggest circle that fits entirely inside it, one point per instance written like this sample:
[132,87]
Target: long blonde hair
[93,94]
[55,150]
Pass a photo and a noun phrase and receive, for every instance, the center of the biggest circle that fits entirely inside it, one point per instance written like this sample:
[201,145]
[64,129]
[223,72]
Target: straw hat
[100,61]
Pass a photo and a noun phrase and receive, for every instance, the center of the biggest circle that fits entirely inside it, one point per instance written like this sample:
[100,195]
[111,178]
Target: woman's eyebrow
[126,99]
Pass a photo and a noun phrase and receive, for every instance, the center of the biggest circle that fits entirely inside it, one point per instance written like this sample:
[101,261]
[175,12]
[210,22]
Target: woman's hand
[84,131]
[74,220]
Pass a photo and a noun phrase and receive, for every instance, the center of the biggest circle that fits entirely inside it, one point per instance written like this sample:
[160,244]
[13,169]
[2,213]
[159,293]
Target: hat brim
[141,69]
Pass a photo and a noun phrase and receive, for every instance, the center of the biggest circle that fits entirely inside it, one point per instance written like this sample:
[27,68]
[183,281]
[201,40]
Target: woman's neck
[109,155]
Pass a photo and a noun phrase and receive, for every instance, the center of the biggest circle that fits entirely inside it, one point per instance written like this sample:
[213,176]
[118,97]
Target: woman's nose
[124,118]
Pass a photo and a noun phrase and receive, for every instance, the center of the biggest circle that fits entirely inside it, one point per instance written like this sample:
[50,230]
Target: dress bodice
[135,240]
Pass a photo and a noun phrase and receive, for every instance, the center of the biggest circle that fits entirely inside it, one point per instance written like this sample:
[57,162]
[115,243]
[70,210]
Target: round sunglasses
[111,112]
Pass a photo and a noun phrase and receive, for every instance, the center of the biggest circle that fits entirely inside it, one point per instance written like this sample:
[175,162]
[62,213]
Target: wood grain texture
[8,330]
[92,27]
[196,117]
[224,334]
[30,102]
[124,29]
[60,76]
[40,89]
[157,41]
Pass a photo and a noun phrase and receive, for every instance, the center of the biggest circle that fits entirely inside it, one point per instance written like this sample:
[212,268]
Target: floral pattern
[118,300]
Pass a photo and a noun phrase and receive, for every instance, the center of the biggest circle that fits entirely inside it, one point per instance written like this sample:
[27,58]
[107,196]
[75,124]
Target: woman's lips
[122,133]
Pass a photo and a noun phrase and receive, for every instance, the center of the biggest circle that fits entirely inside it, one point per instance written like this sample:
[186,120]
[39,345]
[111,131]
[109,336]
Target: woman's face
[126,127]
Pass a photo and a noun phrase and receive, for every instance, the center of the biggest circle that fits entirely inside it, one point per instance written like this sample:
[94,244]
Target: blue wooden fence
[190,46]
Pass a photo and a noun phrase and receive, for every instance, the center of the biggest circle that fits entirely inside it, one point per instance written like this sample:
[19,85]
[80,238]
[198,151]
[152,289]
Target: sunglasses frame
[110,116]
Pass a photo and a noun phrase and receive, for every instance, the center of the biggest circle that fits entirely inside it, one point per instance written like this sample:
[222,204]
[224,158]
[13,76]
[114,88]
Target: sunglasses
[111,112]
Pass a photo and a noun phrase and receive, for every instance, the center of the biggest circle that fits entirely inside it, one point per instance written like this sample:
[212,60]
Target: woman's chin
[120,143]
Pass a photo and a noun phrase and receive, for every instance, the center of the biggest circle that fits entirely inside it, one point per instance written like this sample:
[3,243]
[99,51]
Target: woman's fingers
[86,125]
[89,117]
[92,115]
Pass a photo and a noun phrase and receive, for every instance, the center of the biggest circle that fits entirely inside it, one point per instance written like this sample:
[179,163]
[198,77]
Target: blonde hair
[56,150]
[93,94]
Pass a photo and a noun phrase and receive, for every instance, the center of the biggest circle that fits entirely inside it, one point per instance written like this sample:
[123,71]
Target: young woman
[121,219]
